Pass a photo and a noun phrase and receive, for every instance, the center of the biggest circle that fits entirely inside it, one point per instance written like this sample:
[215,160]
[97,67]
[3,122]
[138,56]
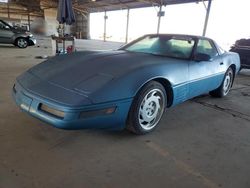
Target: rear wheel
[147,108]
[21,42]
[226,85]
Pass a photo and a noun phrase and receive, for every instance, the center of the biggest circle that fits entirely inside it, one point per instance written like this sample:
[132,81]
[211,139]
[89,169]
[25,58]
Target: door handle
[221,63]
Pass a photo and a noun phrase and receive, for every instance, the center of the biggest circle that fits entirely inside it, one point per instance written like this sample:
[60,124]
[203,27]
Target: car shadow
[7,46]
[108,133]
[245,72]
[56,133]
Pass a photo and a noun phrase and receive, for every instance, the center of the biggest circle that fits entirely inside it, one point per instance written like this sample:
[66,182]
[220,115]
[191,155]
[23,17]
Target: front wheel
[147,108]
[226,85]
[21,43]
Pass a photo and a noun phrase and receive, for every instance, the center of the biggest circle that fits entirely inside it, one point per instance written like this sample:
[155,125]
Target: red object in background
[70,49]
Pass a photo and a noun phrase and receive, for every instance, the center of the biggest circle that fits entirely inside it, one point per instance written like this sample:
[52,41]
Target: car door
[6,33]
[205,76]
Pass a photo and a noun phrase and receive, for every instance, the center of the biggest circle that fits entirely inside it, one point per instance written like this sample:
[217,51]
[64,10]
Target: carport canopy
[109,5]
[91,6]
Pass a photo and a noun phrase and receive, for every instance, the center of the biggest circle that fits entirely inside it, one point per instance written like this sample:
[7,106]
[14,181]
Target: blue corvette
[127,88]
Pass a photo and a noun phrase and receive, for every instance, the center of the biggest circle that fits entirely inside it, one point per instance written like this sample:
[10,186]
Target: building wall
[51,22]
[19,14]
[81,26]
[13,13]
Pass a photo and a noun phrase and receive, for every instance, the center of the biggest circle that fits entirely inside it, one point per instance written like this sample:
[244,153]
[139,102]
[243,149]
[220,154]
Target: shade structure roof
[109,5]
[101,5]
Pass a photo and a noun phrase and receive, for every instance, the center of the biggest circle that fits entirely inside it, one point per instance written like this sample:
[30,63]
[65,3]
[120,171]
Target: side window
[205,47]
[2,26]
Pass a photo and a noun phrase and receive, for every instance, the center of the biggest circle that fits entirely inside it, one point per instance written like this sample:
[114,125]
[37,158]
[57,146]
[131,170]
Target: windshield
[170,46]
[4,25]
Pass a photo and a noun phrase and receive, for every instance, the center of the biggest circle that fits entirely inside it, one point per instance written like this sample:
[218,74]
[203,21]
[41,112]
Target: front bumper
[32,41]
[73,118]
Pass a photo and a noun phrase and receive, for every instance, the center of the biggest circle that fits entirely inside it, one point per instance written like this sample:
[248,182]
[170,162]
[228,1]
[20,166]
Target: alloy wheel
[228,82]
[22,43]
[151,109]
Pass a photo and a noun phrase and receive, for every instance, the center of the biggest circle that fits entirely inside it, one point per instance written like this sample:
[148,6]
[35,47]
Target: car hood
[88,71]
[96,76]
[19,30]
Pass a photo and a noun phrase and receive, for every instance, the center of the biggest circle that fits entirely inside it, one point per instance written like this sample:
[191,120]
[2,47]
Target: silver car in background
[15,36]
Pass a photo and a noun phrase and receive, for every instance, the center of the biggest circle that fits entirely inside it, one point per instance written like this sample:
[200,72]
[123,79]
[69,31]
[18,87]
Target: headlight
[28,33]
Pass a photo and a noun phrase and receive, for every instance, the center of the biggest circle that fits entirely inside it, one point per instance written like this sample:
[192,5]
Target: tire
[21,42]
[225,86]
[147,108]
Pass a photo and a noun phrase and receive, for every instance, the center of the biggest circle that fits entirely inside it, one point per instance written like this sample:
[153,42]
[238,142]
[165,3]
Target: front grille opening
[51,111]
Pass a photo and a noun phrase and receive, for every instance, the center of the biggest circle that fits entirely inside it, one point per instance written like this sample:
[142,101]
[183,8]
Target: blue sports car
[127,88]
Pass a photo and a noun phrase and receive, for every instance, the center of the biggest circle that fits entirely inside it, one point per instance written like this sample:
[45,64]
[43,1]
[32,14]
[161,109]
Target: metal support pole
[81,30]
[159,19]
[88,26]
[8,10]
[105,23]
[207,17]
[126,38]
[29,20]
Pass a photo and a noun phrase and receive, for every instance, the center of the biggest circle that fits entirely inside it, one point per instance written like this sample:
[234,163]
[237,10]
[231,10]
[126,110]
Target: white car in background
[15,35]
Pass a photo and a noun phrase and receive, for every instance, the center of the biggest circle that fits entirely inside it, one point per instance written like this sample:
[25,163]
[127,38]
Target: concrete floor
[203,143]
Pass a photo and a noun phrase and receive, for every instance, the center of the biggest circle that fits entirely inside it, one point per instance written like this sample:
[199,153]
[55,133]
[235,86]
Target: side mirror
[202,57]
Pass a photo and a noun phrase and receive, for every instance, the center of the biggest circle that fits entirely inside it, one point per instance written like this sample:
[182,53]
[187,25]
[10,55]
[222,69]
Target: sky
[229,21]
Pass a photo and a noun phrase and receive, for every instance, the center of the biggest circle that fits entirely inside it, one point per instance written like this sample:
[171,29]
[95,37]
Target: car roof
[180,35]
